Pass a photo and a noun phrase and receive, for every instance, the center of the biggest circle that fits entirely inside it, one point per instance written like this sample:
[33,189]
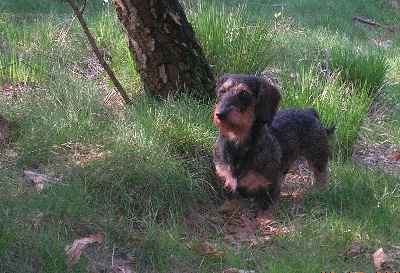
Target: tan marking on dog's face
[253,181]
[227,84]
[224,172]
[237,124]
[241,87]
[228,87]
[239,105]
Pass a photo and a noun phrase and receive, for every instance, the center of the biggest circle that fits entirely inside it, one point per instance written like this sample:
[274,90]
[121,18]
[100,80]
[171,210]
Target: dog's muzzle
[221,115]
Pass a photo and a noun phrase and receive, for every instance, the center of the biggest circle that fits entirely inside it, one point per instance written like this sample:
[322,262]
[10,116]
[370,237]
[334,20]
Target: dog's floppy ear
[268,99]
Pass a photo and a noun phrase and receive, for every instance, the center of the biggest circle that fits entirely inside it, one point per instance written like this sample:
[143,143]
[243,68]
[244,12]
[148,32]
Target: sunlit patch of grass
[366,71]
[230,43]
[22,64]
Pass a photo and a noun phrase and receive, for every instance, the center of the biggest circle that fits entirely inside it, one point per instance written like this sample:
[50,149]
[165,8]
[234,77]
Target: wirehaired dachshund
[257,145]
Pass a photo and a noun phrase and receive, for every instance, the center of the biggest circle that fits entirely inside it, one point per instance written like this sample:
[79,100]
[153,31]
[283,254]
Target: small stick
[365,21]
[98,54]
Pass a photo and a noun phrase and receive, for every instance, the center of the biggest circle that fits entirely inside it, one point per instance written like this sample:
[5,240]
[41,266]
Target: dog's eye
[221,91]
[244,94]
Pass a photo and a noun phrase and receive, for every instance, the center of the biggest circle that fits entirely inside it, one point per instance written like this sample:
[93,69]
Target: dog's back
[301,134]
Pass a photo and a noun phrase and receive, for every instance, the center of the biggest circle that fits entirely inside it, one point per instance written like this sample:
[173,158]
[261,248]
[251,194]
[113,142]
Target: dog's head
[243,100]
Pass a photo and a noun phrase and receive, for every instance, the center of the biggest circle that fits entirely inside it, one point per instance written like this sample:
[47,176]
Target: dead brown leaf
[75,250]
[245,231]
[272,230]
[121,222]
[383,262]
[394,155]
[40,181]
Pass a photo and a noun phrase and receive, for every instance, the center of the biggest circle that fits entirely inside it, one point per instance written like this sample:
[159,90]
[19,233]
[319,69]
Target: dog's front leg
[267,200]
[233,204]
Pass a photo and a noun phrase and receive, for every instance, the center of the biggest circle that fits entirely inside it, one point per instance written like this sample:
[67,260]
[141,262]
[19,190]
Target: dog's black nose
[221,115]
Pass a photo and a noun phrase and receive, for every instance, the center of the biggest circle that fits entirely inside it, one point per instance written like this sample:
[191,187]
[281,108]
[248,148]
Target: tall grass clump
[18,68]
[231,41]
[363,70]
[23,59]
[337,104]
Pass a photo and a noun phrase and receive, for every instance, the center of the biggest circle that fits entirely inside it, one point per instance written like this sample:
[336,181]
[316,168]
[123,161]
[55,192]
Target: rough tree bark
[166,51]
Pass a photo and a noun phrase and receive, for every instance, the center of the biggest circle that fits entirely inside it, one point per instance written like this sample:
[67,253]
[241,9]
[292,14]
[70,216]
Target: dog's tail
[330,130]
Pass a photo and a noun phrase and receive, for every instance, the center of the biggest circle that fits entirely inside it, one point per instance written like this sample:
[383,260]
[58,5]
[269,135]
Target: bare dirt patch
[10,91]
[378,147]
[376,156]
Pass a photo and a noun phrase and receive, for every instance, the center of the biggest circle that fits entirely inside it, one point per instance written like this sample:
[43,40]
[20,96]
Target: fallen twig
[368,22]
[96,50]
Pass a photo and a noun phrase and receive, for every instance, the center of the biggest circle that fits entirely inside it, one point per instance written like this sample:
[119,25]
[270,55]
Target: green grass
[45,7]
[24,63]
[367,71]
[337,103]
[224,30]
[143,175]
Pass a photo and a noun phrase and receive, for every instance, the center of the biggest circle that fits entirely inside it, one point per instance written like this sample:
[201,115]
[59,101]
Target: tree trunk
[167,54]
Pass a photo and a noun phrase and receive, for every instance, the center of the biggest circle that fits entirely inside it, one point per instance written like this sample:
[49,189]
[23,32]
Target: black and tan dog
[257,145]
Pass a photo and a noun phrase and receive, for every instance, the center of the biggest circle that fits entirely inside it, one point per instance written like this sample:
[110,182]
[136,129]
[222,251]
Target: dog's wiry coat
[257,145]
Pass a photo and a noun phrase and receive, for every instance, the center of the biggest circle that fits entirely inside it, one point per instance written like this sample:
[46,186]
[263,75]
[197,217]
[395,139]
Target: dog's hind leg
[321,179]
[320,171]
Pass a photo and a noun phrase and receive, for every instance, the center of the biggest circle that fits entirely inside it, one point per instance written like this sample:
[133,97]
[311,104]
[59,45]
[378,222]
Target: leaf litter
[40,181]
[242,231]
[384,262]
[97,262]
